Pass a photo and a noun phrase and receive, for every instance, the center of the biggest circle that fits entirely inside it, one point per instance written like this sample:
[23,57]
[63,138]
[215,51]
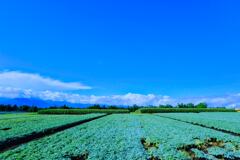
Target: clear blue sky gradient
[176,48]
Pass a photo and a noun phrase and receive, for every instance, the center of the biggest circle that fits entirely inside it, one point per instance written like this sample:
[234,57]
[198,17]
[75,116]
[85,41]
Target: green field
[19,125]
[165,136]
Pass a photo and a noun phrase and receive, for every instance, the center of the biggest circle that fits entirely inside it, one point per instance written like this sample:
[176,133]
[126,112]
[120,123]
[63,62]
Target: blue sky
[174,48]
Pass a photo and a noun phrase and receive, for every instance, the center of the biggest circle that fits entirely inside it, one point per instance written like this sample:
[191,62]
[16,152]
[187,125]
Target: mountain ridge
[40,103]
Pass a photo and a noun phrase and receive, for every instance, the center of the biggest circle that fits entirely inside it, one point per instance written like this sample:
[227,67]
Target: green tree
[165,106]
[95,106]
[190,105]
[202,105]
[112,107]
[65,107]
[133,108]
[181,105]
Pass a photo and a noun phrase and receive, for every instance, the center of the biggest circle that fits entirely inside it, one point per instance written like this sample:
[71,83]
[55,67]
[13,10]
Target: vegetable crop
[19,125]
[225,121]
[135,137]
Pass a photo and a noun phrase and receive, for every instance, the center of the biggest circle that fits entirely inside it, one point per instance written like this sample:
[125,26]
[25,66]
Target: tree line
[179,105]
[187,105]
[26,108]
[15,108]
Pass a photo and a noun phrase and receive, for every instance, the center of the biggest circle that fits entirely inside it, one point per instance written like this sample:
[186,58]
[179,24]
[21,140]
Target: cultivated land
[165,136]
[12,127]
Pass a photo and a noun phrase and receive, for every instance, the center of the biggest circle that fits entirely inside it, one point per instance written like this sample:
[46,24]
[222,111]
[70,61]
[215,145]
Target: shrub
[201,105]
[95,106]
[133,108]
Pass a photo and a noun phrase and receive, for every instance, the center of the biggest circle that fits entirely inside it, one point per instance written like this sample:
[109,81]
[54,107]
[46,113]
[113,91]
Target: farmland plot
[133,137]
[170,139]
[225,121]
[16,115]
[111,137]
[14,126]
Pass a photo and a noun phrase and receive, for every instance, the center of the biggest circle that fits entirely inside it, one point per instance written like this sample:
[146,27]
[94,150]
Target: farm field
[132,137]
[18,125]
[8,115]
[225,121]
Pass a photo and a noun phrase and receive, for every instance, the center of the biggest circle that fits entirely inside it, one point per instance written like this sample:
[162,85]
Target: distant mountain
[40,103]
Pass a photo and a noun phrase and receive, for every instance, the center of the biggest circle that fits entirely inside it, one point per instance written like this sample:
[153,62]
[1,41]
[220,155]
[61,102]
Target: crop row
[27,125]
[82,111]
[179,140]
[132,137]
[111,137]
[186,110]
[15,116]
[224,121]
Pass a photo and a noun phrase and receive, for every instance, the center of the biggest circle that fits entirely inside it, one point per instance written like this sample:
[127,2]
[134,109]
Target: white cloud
[230,101]
[127,99]
[14,84]
[16,79]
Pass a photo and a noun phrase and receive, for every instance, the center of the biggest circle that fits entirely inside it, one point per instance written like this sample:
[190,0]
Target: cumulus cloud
[14,84]
[127,99]
[230,101]
[21,80]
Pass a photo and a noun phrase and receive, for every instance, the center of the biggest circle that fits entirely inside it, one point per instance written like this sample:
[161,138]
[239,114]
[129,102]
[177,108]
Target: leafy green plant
[225,121]
[135,137]
[20,125]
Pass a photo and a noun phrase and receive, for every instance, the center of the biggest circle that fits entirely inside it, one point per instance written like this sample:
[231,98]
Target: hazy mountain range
[40,103]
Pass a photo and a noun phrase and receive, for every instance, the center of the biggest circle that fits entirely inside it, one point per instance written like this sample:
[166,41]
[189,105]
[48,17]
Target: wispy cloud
[21,80]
